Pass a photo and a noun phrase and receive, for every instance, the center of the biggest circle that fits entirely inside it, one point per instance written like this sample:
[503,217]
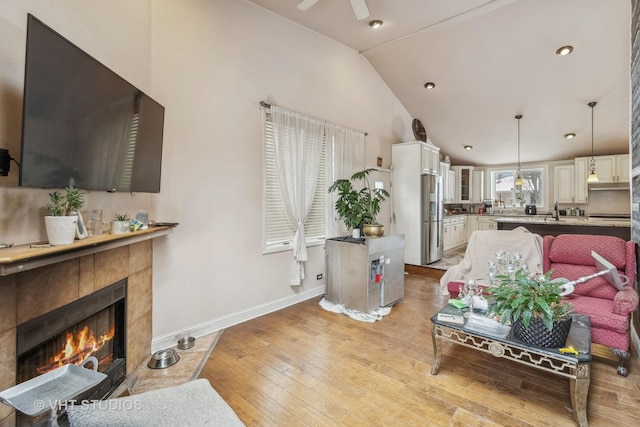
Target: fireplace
[35,285]
[90,326]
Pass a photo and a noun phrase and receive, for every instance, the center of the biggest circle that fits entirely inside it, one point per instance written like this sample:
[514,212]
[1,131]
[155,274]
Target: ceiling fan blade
[306,4]
[360,9]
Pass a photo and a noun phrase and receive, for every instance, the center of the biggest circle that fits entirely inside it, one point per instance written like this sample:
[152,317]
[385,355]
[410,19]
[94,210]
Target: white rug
[194,403]
[354,314]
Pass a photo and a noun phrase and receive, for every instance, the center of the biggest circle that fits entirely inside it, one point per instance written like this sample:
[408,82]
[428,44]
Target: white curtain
[347,157]
[298,143]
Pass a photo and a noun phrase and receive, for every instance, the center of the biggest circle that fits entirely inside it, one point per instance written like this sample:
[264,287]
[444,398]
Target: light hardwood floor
[305,366]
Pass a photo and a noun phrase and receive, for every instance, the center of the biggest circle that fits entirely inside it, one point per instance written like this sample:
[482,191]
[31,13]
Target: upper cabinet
[464,177]
[430,159]
[448,182]
[563,184]
[614,168]
[425,157]
[610,169]
[477,186]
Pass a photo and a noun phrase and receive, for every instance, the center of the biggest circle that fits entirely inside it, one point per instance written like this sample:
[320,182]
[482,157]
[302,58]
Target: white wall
[213,62]
[210,63]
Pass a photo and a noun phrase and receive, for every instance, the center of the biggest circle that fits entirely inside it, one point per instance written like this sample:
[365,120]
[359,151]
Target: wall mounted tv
[83,125]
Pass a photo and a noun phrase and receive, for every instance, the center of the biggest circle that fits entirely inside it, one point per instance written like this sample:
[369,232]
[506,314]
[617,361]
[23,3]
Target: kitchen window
[531,192]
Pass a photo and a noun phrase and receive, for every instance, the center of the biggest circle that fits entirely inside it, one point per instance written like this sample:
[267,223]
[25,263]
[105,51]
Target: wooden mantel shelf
[25,257]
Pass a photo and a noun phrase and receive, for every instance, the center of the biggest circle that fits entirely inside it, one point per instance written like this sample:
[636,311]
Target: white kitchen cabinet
[477,186]
[472,225]
[452,186]
[430,159]
[464,177]
[486,223]
[564,183]
[605,168]
[448,183]
[622,168]
[455,232]
[610,169]
[580,177]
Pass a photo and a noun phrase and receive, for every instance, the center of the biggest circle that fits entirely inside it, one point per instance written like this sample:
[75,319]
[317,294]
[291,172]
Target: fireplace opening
[91,326]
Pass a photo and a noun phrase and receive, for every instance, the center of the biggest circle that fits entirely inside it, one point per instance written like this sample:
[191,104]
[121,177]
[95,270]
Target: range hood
[609,186]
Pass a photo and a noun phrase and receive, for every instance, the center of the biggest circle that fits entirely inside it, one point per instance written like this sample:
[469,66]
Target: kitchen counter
[568,220]
[545,225]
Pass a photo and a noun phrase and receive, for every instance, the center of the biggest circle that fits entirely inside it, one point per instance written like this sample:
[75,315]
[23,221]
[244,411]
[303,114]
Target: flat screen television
[82,124]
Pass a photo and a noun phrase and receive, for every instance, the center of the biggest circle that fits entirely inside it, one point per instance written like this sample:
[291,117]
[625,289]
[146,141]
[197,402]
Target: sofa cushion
[600,312]
[576,249]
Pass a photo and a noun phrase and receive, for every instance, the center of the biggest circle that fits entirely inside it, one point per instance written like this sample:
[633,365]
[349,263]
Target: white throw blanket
[482,248]
[377,314]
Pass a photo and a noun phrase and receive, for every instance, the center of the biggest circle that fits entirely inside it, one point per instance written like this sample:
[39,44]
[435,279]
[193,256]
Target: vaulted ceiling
[491,60]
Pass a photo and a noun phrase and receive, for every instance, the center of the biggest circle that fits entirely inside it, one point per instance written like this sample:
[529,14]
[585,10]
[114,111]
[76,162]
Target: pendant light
[592,164]
[518,180]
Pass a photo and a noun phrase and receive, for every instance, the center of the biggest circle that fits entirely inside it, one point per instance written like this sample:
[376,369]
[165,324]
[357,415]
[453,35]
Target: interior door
[382,179]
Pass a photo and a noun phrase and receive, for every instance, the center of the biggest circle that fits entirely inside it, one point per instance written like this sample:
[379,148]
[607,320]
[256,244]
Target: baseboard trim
[213,325]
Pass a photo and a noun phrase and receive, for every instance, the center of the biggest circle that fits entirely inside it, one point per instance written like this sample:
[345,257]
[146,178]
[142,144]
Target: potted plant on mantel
[121,224]
[358,209]
[534,306]
[62,223]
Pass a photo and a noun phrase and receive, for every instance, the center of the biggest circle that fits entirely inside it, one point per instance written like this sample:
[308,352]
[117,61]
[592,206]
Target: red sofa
[569,256]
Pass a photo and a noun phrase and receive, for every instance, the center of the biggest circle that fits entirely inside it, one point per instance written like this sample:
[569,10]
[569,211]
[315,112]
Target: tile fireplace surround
[57,276]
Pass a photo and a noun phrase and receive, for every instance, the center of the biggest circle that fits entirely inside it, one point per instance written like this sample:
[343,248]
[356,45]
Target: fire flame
[77,348]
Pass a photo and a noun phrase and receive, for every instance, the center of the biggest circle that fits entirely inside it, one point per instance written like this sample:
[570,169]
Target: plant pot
[120,227]
[538,335]
[61,230]
[373,230]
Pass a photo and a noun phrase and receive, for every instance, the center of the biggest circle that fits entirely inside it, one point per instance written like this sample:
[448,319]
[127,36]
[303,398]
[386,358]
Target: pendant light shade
[518,180]
[592,163]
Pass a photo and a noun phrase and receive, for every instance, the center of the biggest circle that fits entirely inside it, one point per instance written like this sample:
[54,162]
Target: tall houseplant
[533,304]
[63,221]
[358,207]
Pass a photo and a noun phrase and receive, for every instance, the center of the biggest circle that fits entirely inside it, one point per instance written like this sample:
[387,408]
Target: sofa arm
[625,301]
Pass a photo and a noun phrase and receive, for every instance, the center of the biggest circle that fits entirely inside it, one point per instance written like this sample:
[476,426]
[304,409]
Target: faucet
[555,208]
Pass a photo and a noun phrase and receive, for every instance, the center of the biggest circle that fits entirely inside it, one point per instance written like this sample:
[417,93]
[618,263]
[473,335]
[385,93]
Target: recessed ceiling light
[429,85]
[468,147]
[564,50]
[569,135]
[376,23]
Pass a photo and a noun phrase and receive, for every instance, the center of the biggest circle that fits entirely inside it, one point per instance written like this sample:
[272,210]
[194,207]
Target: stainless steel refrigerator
[432,213]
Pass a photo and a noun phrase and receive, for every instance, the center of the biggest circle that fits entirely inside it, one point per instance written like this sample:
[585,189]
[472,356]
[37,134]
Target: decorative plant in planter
[359,208]
[121,224]
[533,304]
[62,223]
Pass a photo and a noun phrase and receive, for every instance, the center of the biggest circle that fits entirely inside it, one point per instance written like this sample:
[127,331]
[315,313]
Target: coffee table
[574,367]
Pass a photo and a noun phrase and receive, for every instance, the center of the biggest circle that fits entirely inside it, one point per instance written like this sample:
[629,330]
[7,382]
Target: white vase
[61,230]
[120,227]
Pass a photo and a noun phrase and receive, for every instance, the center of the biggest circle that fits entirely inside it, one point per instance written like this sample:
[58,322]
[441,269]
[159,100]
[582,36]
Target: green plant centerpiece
[534,306]
[359,207]
[64,221]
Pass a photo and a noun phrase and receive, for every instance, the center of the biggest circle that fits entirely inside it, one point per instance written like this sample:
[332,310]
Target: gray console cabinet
[365,274]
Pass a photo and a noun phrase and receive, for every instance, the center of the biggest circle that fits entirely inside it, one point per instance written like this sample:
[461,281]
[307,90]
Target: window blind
[278,230]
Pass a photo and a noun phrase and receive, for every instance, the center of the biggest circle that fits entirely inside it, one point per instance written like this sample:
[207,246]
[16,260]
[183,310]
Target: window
[531,192]
[278,230]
